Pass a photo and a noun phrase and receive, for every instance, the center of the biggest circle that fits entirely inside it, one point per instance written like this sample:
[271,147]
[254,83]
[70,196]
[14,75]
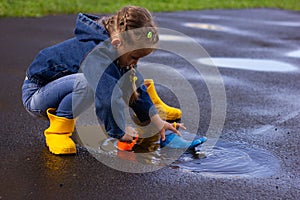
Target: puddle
[214,27]
[206,26]
[174,38]
[294,54]
[229,159]
[217,17]
[283,23]
[262,65]
[224,160]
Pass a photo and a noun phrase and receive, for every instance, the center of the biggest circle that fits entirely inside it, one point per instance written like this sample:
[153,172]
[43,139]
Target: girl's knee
[81,82]
[81,87]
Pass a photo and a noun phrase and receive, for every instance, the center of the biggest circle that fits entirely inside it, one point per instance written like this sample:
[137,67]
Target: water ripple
[229,159]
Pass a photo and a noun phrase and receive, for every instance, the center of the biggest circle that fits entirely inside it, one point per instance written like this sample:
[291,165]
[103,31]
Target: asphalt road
[262,99]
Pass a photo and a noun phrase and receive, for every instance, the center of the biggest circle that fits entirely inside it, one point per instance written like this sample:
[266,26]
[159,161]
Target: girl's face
[132,57]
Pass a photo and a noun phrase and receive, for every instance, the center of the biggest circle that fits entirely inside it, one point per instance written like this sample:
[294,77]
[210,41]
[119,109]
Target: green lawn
[35,8]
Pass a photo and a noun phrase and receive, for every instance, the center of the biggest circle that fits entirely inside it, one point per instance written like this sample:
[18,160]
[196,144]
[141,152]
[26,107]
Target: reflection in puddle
[249,64]
[206,26]
[137,161]
[283,23]
[229,159]
[214,27]
[212,17]
[295,54]
[174,38]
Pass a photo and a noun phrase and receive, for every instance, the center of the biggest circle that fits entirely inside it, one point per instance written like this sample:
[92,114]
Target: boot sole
[63,151]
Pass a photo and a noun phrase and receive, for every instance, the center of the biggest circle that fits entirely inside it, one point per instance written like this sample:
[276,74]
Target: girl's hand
[173,127]
[163,126]
[130,133]
[179,125]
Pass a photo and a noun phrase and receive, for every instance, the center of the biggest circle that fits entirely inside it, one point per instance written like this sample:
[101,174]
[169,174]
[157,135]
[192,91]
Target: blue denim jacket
[64,58]
[67,57]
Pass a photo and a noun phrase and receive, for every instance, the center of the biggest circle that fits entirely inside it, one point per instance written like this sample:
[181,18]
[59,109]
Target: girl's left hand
[173,127]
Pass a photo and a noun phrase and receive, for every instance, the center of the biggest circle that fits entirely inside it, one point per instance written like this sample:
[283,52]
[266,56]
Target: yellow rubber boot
[165,112]
[58,134]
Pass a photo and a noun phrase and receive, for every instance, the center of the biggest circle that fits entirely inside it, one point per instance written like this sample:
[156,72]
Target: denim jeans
[70,95]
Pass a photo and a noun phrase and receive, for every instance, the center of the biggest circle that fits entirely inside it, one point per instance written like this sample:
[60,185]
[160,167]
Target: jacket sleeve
[110,106]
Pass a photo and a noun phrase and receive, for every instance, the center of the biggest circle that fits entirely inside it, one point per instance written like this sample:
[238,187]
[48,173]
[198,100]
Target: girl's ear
[116,42]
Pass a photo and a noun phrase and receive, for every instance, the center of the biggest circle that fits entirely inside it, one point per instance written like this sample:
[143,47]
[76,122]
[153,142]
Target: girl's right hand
[129,135]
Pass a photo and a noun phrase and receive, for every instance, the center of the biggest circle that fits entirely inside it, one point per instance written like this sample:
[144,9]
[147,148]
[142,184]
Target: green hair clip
[149,35]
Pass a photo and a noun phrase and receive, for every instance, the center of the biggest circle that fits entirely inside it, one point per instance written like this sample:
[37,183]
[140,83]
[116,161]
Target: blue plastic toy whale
[174,141]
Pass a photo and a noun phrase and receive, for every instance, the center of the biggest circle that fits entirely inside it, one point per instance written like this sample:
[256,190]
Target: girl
[52,80]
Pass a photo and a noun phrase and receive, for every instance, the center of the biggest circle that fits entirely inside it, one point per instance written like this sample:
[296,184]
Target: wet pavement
[256,156]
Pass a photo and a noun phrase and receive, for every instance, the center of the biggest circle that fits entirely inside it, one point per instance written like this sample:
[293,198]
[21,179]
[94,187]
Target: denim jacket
[64,58]
[107,79]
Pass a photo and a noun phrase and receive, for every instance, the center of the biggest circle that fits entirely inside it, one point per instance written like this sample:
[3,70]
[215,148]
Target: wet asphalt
[263,111]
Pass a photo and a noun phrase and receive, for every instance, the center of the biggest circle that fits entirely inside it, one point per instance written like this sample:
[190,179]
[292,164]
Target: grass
[37,8]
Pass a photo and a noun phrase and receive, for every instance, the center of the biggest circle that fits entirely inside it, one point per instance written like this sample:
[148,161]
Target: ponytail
[133,79]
